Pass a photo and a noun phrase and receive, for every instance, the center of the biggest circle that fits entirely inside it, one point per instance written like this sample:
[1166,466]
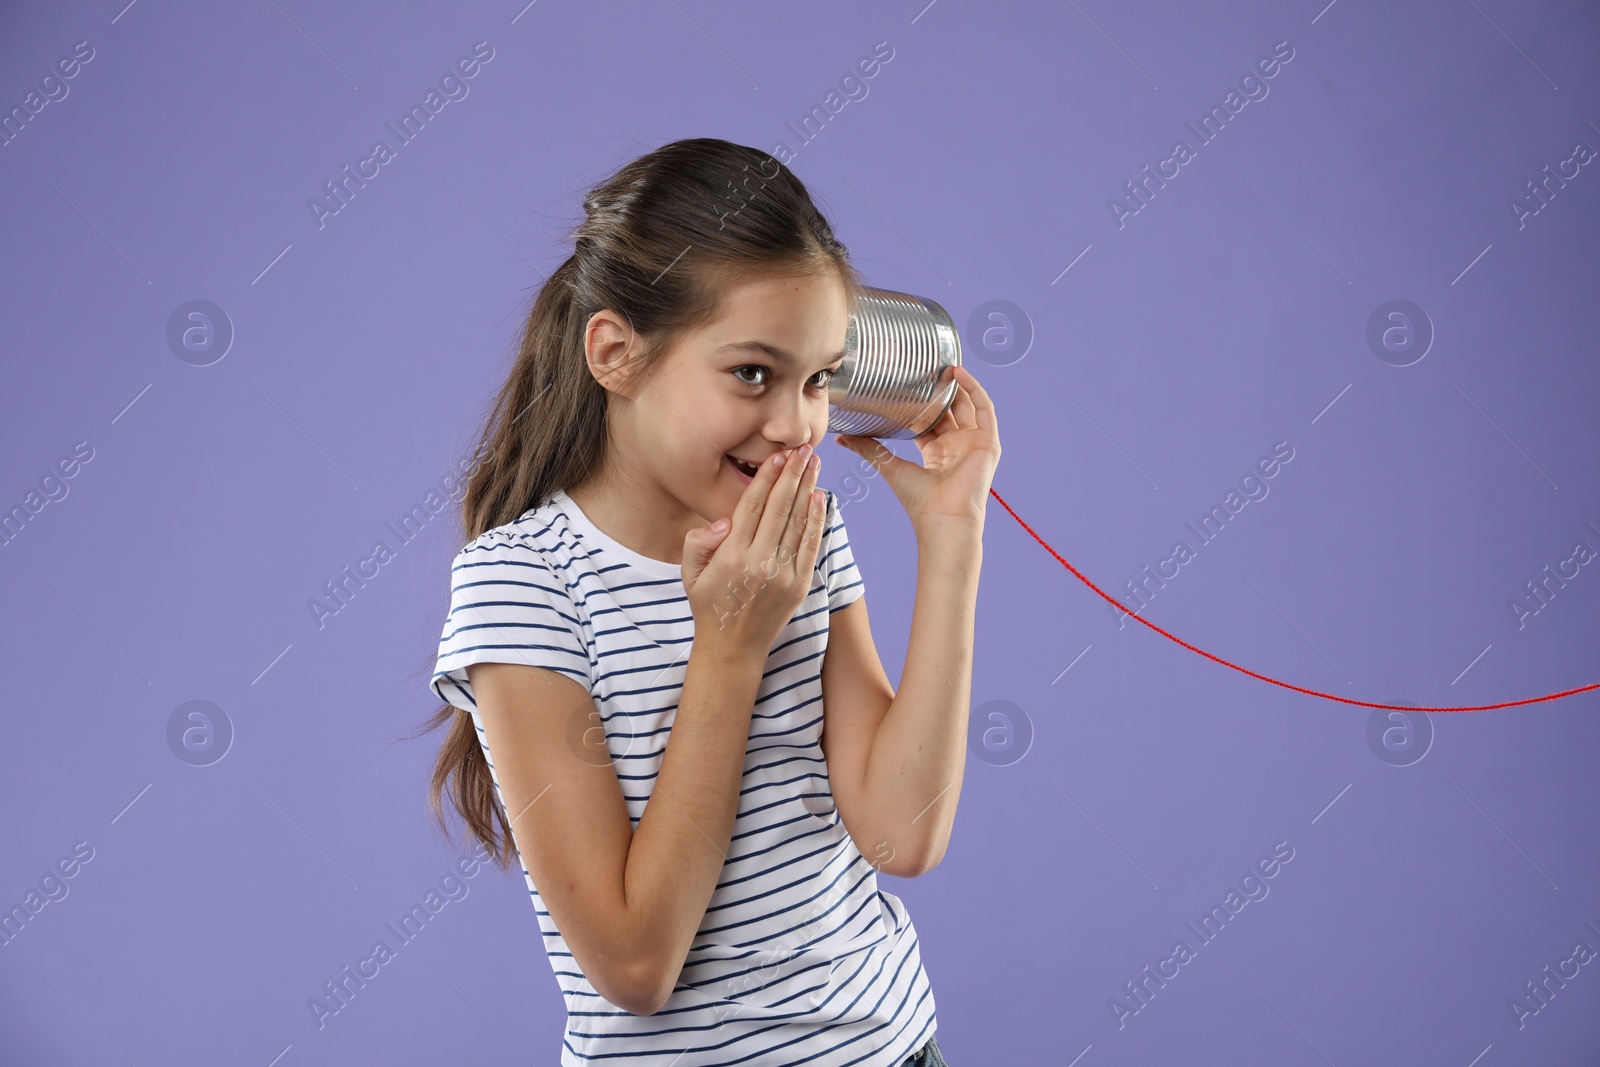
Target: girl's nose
[792,426]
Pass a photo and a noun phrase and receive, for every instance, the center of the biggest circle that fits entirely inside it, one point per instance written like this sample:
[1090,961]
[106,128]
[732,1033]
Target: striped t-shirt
[800,957]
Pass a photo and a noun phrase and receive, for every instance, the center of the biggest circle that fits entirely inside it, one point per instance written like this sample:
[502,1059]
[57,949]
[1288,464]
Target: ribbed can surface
[895,351]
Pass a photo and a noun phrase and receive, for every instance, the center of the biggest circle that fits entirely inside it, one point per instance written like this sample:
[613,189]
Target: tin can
[895,352]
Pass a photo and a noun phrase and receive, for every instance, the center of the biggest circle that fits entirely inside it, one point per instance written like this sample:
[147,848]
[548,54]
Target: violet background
[1229,314]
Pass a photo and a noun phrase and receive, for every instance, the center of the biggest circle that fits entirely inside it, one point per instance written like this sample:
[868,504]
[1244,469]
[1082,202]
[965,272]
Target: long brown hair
[658,240]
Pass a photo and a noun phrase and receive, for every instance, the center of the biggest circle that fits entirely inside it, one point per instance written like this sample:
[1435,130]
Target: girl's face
[752,382]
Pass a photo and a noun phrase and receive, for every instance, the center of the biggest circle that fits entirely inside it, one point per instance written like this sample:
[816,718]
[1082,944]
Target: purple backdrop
[1377,260]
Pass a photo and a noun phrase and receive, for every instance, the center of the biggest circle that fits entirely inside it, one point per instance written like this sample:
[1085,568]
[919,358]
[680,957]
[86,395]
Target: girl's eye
[826,373]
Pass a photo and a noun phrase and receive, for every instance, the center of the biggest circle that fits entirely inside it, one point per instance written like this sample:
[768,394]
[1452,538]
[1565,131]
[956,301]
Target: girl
[661,685]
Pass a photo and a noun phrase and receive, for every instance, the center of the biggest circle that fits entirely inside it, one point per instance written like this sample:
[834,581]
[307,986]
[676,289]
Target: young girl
[657,665]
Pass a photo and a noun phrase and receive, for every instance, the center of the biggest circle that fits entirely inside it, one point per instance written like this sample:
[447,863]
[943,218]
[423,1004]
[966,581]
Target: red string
[1262,677]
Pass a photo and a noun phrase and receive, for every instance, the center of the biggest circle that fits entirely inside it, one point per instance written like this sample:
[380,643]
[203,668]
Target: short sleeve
[836,561]
[507,606]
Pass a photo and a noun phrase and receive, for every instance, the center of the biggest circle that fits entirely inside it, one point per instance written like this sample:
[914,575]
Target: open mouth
[746,470]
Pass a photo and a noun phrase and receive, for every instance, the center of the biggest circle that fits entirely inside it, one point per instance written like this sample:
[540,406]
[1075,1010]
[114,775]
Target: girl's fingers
[800,517]
[811,541]
[961,406]
[982,405]
[779,504]
[882,458]
[753,504]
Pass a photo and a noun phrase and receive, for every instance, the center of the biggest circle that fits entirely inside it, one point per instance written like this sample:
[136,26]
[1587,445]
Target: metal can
[895,354]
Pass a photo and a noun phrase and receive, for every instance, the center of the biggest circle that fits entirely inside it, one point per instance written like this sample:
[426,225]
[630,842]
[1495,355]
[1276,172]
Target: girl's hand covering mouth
[745,575]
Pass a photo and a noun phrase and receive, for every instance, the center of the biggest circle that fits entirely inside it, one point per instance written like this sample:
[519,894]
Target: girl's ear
[610,346]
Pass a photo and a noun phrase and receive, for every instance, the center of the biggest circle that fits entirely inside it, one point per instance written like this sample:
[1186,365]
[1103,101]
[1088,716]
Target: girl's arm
[627,900]
[895,760]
